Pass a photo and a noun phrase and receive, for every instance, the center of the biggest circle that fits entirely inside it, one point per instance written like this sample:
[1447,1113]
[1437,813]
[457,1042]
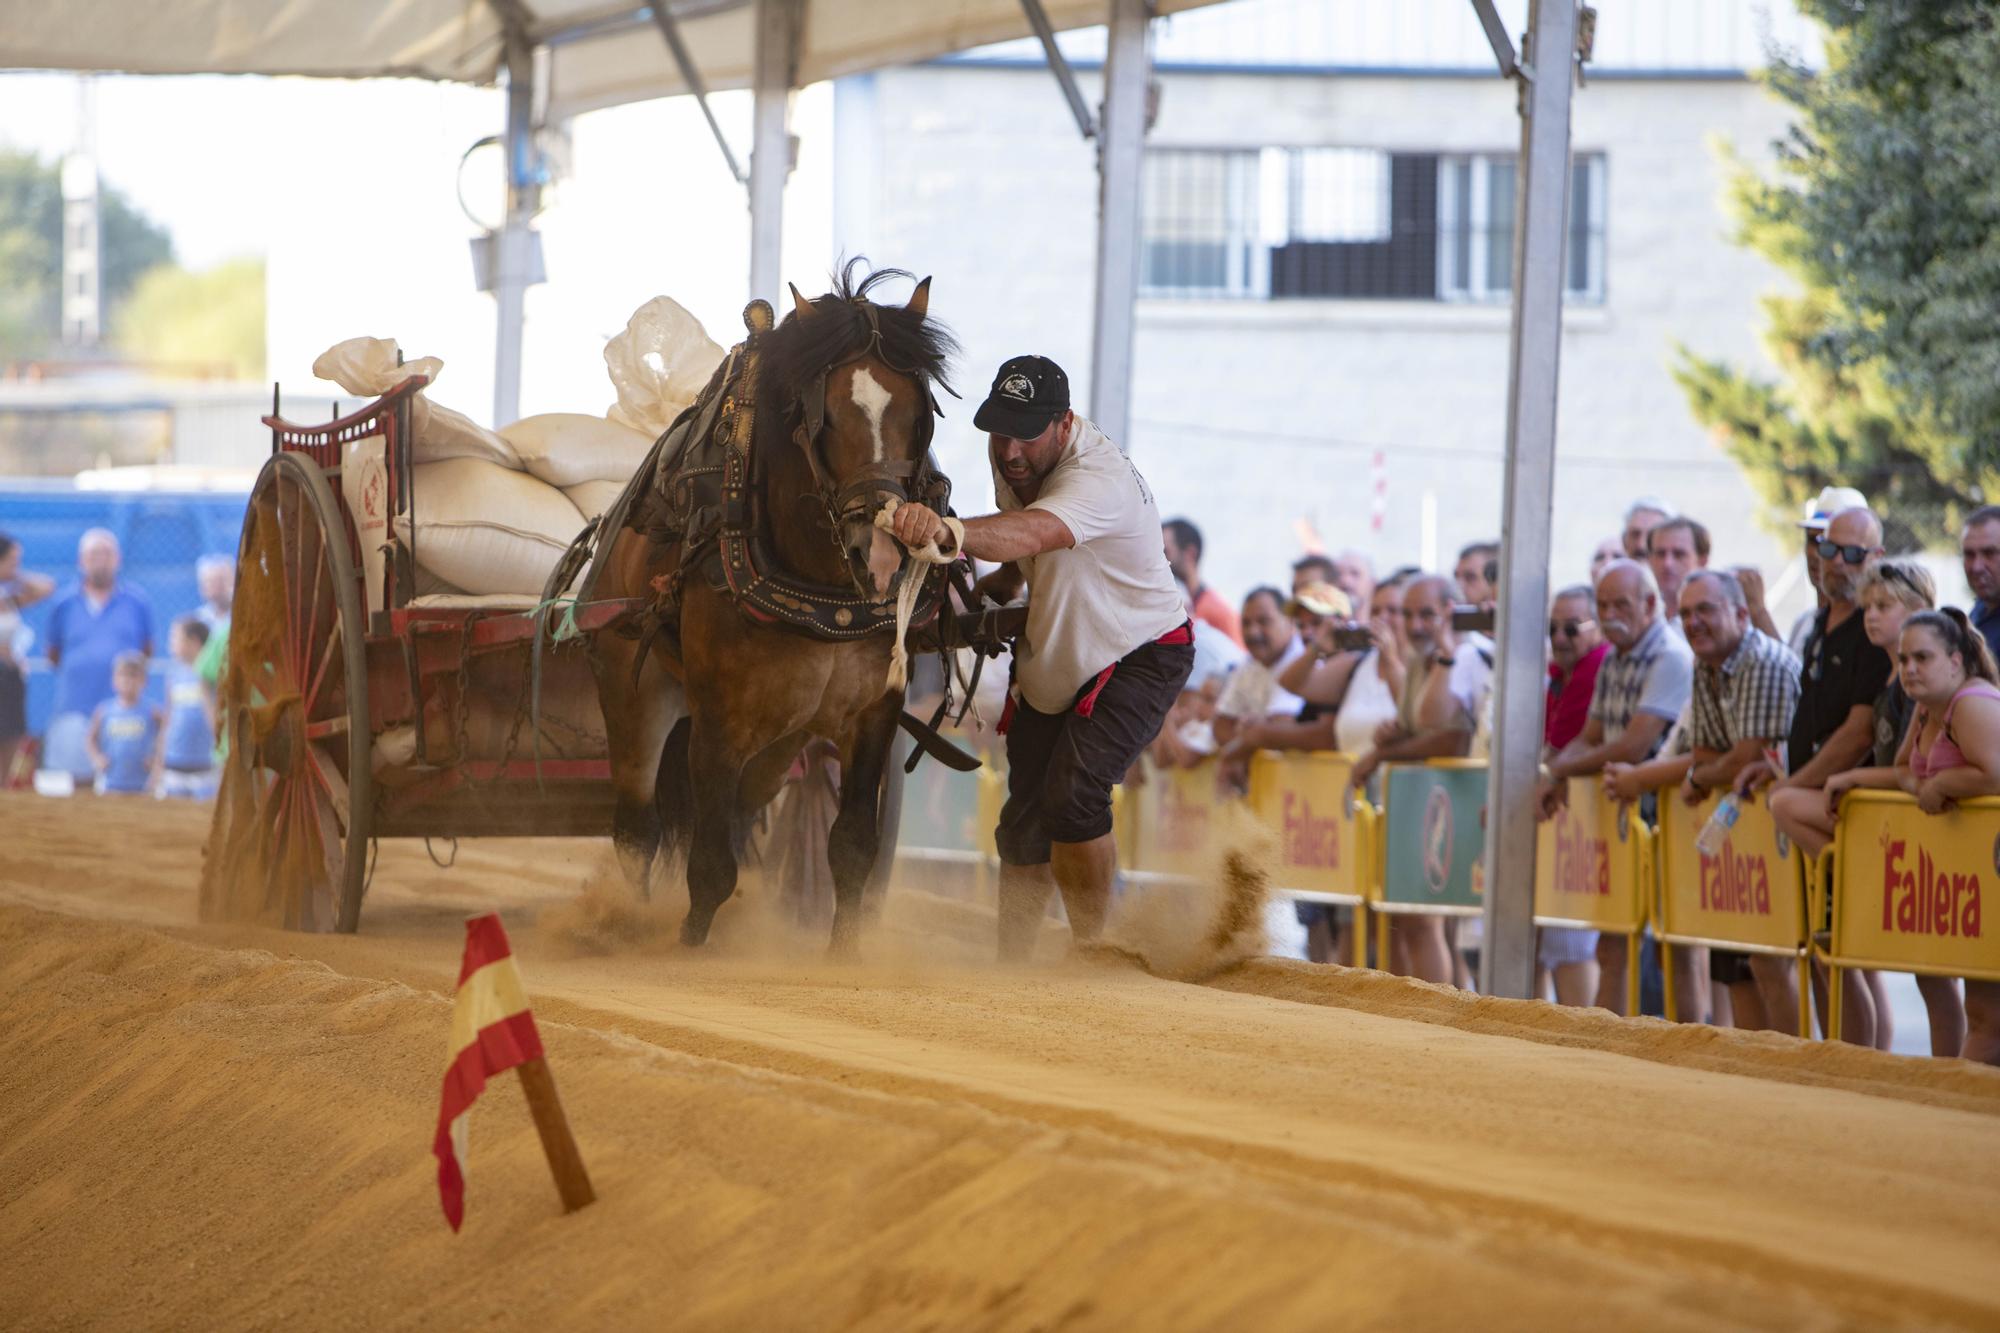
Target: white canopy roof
[599,53]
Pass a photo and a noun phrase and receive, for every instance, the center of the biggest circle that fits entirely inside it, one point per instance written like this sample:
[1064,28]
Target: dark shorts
[13,703]
[1061,767]
[1729,967]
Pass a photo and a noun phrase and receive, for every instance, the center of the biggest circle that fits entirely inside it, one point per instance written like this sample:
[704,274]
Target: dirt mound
[229,1126]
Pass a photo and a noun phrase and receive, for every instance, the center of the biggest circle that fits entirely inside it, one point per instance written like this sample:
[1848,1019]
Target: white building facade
[1322,340]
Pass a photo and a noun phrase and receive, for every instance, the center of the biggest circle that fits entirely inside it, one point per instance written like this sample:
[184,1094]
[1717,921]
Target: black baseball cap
[1027,394]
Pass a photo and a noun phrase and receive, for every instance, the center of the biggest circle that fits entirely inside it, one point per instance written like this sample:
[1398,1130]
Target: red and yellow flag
[491,1032]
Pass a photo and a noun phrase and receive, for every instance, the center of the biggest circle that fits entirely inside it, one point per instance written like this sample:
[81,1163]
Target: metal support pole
[771,143]
[1120,157]
[515,258]
[1507,959]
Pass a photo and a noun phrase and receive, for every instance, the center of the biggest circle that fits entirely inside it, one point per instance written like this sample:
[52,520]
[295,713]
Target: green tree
[210,319]
[1886,210]
[31,252]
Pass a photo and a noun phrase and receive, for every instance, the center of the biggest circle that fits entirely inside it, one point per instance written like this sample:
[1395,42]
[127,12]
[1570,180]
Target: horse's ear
[920,299]
[800,306]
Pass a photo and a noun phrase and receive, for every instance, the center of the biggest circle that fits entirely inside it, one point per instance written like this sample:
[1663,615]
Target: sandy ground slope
[205,1126]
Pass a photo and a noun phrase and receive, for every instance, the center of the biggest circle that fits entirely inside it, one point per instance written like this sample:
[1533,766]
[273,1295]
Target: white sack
[567,448]
[487,529]
[658,365]
[367,368]
[592,498]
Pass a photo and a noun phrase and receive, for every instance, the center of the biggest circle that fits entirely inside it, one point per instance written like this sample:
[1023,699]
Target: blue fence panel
[163,534]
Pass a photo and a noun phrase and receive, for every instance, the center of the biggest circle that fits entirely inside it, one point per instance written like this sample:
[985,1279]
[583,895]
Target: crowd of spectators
[1668,680]
[99,642]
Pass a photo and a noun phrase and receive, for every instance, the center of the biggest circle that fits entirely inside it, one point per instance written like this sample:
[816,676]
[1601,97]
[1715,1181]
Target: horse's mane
[797,350]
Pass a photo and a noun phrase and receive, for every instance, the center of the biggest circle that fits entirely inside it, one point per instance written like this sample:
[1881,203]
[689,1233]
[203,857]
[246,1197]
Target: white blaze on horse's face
[872,397]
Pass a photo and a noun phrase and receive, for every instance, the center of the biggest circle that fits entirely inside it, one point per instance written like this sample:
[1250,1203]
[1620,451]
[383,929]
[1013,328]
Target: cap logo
[1018,386]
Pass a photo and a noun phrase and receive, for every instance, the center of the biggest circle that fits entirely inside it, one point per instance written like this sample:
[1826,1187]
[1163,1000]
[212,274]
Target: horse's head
[853,380]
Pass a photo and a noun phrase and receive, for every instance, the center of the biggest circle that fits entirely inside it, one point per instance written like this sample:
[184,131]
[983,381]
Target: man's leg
[1778,986]
[1611,961]
[1024,901]
[1083,872]
[1690,983]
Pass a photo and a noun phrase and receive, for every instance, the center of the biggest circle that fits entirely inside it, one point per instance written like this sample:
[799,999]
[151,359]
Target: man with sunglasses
[1576,650]
[1834,726]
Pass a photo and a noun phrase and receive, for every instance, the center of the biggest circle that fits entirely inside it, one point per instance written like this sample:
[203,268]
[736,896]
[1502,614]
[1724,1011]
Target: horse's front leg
[857,831]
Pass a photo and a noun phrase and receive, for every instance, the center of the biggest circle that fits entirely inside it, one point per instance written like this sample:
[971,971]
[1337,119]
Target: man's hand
[1388,732]
[1621,782]
[915,526]
[1836,787]
[1363,769]
[1757,773]
[1550,797]
[1000,587]
[1692,792]
[1752,580]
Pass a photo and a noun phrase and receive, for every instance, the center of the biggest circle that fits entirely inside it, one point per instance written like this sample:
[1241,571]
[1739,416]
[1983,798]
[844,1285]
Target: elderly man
[1832,731]
[215,576]
[1354,574]
[1641,689]
[1576,654]
[1675,548]
[1641,517]
[1746,689]
[1106,649]
[1979,548]
[1430,724]
[91,624]
[1252,697]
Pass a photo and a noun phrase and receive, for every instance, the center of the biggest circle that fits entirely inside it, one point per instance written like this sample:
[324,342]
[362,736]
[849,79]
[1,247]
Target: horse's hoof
[845,946]
[694,931]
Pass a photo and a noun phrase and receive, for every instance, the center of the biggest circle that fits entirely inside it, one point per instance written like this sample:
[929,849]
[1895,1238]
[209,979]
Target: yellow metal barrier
[1172,814]
[1325,834]
[1751,896]
[1594,871]
[1908,890]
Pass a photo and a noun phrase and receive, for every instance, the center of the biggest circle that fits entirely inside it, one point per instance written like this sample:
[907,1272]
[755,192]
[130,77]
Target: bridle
[904,479]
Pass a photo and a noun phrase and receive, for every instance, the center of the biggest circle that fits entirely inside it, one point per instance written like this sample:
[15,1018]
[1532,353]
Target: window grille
[1332,223]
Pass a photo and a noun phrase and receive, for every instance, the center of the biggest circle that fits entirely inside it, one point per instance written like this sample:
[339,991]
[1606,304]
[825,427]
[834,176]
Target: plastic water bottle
[1716,830]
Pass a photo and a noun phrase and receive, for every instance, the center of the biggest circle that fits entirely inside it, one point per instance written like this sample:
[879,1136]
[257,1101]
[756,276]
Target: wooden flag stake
[558,1144]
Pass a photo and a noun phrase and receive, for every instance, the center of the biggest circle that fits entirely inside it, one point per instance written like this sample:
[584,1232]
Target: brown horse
[704,722]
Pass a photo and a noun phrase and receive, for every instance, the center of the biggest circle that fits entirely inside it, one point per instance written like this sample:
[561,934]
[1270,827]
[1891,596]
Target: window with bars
[1288,223]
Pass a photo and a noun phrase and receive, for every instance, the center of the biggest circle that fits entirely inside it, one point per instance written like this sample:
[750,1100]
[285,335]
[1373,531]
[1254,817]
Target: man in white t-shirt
[1106,649]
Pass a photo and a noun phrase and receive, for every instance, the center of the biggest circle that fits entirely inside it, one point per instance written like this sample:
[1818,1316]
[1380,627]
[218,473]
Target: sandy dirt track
[229,1127]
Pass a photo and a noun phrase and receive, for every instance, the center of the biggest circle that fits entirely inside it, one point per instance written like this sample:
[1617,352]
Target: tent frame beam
[670,32]
[774,75]
[1038,19]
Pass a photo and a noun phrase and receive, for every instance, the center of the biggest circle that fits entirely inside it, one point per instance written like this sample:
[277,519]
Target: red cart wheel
[289,842]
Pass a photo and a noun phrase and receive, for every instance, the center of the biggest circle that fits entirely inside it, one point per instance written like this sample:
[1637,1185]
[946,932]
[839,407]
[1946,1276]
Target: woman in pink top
[1951,753]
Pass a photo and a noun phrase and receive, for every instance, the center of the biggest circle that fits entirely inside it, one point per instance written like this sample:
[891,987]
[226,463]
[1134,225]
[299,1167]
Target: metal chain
[464,682]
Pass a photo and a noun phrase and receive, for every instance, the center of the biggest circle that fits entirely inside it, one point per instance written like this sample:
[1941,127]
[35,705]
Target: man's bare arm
[1016,536]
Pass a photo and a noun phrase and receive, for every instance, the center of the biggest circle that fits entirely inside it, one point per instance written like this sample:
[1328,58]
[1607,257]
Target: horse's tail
[673,796]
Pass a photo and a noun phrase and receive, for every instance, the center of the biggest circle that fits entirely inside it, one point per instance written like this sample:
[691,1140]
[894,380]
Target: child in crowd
[189,751]
[124,736]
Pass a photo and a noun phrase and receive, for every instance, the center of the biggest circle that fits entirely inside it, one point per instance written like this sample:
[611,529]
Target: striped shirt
[1653,676]
[1749,697]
